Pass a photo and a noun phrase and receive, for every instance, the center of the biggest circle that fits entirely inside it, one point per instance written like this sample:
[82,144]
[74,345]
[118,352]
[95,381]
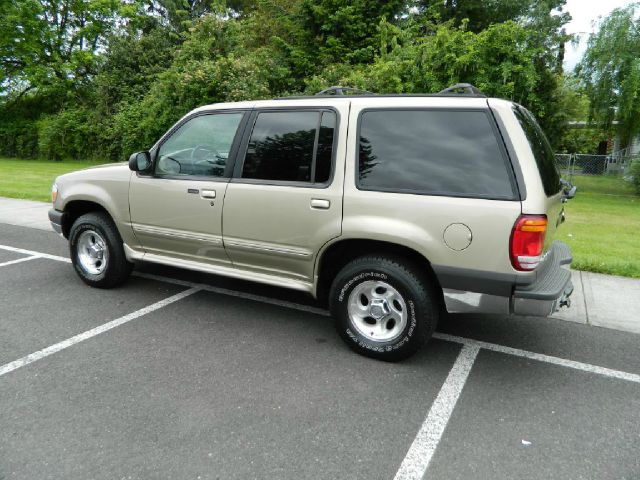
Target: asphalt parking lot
[183,375]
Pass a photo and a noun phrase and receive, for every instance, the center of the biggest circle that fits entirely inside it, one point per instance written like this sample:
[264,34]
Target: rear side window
[291,146]
[542,151]
[434,152]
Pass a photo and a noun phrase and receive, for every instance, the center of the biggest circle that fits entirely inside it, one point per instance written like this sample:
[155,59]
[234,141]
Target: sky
[583,13]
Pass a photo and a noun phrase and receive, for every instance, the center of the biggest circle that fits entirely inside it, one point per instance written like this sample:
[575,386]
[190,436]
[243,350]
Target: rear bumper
[552,288]
[538,293]
[56,217]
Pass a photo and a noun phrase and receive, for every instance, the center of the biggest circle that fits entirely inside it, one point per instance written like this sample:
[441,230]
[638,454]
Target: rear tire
[97,252]
[383,307]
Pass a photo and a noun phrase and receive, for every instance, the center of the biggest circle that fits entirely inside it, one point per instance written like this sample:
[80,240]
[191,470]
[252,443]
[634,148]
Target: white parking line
[184,283]
[417,460]
[424,445]
[21,362]
[20,260]
[563,362]
[586,367]
[36,254]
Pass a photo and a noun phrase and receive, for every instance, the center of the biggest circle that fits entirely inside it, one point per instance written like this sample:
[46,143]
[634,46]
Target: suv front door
[285,200]
[177,210]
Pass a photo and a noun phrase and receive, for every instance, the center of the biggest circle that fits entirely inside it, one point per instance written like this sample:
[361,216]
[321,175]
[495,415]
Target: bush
[138,125]
[69,134]
[18,138]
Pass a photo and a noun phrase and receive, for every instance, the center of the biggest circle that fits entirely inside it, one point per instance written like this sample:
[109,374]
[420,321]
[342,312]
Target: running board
[233,272]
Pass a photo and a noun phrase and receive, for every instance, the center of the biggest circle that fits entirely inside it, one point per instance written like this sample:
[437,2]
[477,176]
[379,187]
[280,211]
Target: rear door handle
[208,193]
[320,203]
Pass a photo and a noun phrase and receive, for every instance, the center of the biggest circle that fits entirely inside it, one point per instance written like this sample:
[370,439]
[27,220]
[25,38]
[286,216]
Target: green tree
[206,69]
[341,31]
[480,14]
[111,76]
[610,71]
[48,42]
[503,61]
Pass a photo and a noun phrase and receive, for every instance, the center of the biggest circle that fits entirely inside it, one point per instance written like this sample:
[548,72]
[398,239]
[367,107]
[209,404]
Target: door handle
[208,193]
[320,203]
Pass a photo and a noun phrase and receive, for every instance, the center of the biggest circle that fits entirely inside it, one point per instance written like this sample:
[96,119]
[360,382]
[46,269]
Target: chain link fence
[617,164]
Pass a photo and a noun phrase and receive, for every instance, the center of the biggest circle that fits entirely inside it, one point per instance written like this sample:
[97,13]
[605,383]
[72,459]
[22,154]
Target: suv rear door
[285,199]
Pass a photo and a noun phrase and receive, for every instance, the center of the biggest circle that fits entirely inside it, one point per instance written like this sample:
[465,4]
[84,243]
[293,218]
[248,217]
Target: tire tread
[396,264]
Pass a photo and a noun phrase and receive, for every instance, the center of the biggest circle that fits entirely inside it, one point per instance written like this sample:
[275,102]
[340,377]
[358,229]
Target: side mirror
[140,161]
[572,192]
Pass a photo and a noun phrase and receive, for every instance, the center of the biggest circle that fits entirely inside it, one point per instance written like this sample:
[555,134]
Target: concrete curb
[604,301]
[25,213]
[599,300]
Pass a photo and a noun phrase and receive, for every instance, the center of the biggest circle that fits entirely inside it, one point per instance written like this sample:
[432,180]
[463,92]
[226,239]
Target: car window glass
[438,152]
[281,146]
[200,147]
[541,149]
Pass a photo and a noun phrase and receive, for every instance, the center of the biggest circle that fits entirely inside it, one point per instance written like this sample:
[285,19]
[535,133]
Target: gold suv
[389,209]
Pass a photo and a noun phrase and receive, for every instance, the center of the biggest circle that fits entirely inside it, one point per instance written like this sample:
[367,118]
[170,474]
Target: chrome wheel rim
[93,254]
[377,311]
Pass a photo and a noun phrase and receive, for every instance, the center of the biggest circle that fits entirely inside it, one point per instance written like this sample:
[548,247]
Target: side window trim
[511,153]
[505,157]
[314,155]
[233,152]
[244,145]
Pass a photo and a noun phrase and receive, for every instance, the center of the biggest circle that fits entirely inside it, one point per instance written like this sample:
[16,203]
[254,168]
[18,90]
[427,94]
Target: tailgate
[554,209]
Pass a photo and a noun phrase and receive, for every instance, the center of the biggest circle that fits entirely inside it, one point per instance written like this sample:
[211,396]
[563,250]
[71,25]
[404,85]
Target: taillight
[527,241]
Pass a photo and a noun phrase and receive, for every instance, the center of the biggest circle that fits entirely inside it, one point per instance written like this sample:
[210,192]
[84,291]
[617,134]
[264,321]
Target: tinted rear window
[542,151]
[281,146]
[291,146]
[437,152]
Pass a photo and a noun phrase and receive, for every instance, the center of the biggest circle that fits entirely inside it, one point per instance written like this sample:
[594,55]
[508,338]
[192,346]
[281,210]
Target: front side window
[291,146]
[200,147]
[434,152]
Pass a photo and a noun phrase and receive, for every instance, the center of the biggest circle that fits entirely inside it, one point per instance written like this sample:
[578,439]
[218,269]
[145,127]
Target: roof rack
[461,88]
[337,90]
[457,90]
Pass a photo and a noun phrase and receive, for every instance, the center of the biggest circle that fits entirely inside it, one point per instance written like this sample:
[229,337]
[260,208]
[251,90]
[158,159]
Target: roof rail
[461,89]
[337,90]
[457,90]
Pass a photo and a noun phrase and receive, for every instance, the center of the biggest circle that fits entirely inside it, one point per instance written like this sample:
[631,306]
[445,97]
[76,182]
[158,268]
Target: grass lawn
[603,226]
[32,179]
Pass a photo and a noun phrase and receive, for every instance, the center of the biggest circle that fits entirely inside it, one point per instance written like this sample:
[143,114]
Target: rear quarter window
[433,152]
[541,149]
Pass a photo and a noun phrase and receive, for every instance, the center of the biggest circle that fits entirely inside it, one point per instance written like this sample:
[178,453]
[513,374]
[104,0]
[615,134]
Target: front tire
[383,307]
[96,251]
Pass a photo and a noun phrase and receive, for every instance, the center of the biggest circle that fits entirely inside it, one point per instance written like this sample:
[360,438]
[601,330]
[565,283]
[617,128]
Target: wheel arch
[337,254]
[73,209]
